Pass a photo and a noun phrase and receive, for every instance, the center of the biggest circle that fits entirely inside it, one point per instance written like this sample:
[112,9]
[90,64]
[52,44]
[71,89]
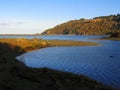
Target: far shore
[108,38]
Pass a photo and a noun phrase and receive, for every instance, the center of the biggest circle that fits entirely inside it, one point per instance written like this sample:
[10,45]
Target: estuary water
[101,63]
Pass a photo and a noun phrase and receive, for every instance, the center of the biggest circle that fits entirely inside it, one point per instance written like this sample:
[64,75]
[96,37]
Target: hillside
[96,26]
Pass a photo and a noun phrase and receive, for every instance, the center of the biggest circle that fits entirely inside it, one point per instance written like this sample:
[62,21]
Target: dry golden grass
[25,43]
[96,20]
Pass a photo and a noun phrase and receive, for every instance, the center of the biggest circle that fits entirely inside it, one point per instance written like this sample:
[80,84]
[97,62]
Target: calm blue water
[101,63]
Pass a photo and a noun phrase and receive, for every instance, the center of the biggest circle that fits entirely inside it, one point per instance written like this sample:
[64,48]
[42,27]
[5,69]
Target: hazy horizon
[35,16]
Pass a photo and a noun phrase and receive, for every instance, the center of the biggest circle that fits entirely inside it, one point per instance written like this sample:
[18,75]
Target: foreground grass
[14,75]
[26,44]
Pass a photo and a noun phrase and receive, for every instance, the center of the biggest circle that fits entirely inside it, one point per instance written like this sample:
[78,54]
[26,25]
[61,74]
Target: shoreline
[107,38]
[16,76]
[71,43]
[34,44]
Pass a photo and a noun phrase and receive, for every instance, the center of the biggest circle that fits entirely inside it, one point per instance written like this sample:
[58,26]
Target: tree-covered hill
[96,26]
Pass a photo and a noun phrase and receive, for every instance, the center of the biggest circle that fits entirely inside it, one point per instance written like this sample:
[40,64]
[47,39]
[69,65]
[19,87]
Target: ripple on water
[93,62]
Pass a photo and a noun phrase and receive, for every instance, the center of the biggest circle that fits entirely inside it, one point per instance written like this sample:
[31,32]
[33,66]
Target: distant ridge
[96,26]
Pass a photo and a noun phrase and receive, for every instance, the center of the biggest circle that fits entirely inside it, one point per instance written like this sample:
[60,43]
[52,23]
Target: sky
[35,16]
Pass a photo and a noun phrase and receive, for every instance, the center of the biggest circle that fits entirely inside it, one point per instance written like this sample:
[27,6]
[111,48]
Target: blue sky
[35,16]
